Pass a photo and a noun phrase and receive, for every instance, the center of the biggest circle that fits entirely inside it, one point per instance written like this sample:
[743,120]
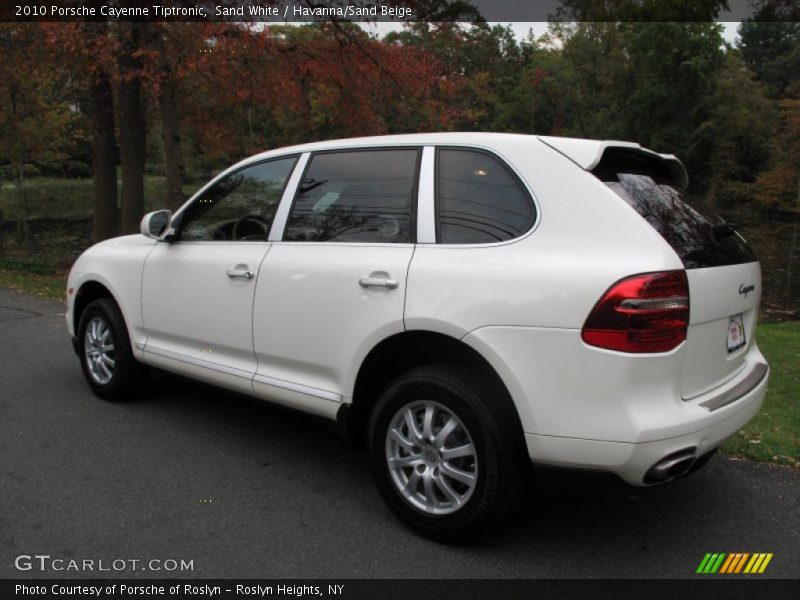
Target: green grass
[53,287]
[70,198]
[774,435]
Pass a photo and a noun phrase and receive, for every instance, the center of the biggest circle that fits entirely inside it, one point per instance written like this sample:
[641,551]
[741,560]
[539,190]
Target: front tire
[104,350]
[446,450]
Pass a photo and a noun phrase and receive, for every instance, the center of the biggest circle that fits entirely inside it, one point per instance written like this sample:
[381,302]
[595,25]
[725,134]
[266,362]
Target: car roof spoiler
[588,153]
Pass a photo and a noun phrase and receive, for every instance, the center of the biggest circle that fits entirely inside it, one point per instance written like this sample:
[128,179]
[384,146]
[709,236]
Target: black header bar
[282,11]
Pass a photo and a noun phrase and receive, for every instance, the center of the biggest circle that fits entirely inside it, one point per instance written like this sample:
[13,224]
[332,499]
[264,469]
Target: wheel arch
[403,351]
[88,292]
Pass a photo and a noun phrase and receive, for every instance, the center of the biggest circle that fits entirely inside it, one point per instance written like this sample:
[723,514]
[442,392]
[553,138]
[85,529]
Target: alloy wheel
[431,457]
[99,350]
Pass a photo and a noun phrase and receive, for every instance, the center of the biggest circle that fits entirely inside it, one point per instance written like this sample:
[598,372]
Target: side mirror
[157,225]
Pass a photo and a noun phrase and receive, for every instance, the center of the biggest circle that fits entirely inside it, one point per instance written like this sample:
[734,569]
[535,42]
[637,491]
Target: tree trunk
[173,157]
[132,132]
[104,157]
[22,197]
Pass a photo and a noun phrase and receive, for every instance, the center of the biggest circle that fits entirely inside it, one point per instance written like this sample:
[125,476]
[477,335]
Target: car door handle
[379,282]
[241,271]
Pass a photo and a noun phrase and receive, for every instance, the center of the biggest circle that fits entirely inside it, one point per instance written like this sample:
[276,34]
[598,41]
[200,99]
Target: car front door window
[240,207]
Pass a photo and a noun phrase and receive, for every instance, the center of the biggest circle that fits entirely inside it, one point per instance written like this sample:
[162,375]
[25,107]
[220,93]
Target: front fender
[117,265]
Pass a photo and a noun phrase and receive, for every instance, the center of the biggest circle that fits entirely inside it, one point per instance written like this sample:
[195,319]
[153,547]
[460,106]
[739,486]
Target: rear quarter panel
[585,239]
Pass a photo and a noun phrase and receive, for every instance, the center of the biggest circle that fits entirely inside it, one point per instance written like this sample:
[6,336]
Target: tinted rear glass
[478,199]
[700,238]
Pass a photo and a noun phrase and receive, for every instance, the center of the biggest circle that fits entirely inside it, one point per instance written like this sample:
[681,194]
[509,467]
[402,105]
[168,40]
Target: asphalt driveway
[244,489]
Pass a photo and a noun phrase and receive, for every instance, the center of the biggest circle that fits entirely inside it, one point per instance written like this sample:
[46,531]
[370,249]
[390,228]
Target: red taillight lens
[643,313]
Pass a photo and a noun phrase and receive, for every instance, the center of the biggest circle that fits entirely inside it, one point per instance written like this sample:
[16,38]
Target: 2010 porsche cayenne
[466,303]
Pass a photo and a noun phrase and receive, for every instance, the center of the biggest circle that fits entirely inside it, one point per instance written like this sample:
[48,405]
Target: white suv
[466,303]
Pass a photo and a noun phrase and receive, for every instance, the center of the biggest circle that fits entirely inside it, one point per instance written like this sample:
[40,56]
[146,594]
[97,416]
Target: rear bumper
[583,407]
[633,461]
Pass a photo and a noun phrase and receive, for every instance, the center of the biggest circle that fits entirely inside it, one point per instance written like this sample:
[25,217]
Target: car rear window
[700,237]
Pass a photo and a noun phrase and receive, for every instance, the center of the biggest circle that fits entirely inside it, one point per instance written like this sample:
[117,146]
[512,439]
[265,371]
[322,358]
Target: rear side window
[356,196]
[478,199]
[699,237]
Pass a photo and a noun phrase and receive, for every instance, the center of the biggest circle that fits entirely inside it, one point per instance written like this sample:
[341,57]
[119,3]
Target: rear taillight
[643,313]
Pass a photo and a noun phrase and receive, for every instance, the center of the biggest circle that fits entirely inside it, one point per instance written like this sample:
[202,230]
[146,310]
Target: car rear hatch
[723,274]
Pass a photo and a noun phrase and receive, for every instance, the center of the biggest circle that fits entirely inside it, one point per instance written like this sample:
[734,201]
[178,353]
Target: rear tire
[447,452]
[104,350]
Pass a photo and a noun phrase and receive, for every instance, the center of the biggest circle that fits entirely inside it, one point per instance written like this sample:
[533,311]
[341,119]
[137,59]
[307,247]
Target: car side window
[478,199]
[239,207]
[356,196]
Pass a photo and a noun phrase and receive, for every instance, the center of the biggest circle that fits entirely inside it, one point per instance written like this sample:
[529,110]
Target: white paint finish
[426,210]
[708,363]
[714,292]
[564,388]
[116,264]
[301,397]
[282,214]
[191,307]
[209,365]
[296,387]
[295,397]
[632,461]
[587,154]
[713,298]
[464,289]
[312,320]
[206,371]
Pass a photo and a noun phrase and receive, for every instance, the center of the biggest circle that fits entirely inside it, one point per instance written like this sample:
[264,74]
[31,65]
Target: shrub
[52,169]
[30,171]
[37,266]
[77,170]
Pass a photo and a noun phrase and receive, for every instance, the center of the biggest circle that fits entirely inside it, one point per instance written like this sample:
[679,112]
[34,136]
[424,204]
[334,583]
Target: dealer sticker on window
[736,333]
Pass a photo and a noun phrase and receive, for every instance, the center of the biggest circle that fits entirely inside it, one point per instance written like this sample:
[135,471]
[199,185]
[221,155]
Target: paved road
[245,489]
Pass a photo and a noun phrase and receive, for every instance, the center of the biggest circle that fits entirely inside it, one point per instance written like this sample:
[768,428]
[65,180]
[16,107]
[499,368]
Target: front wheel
[447,452]
[105,353]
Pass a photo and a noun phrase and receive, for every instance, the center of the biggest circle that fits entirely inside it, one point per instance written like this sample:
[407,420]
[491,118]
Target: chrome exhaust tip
[671,466]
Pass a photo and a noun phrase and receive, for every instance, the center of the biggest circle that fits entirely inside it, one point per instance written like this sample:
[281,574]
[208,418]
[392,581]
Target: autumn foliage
[186,99]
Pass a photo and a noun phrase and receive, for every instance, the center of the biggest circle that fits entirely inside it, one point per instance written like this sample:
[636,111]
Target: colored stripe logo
[734,562]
